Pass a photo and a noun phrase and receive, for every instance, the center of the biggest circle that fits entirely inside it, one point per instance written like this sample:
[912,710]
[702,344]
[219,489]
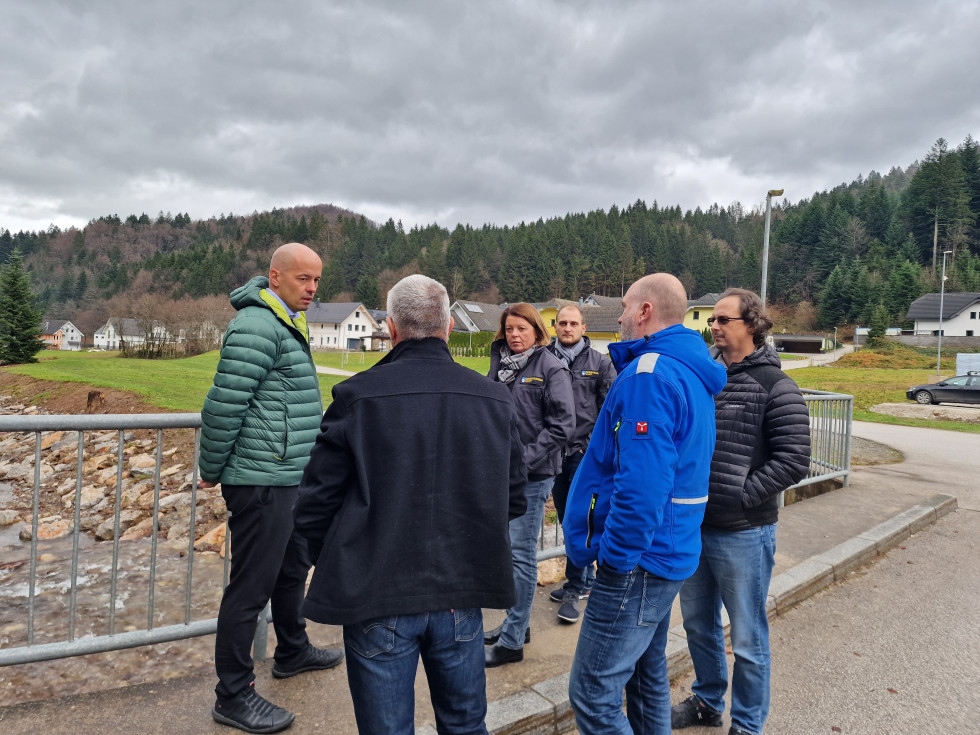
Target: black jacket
[545,409]
[762,443]
[592,374]
[411,484]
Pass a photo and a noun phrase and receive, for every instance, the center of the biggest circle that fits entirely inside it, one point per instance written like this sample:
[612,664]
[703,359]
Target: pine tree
[20,319]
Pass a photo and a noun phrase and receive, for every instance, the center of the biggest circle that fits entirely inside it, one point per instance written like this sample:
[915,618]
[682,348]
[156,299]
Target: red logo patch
[642,427]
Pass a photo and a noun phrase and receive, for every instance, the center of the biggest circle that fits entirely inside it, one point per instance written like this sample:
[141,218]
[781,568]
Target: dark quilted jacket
[263,412]
[762,445]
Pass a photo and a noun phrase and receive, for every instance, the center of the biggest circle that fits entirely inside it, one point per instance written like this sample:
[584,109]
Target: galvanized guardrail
[113,639]
[830,427]
[831,416]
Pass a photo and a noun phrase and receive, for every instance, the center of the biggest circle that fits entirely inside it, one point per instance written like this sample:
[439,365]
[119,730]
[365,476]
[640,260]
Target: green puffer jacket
[262,415]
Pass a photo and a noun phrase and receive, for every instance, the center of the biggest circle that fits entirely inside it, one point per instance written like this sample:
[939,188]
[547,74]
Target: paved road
[894,648]
[821,359]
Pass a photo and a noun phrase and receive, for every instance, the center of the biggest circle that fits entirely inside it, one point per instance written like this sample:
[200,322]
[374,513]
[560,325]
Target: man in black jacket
[762,448]
[405,505]
[592,374]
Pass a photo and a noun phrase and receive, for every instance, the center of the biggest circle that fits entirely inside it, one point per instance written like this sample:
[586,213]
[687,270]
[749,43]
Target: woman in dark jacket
[542,390]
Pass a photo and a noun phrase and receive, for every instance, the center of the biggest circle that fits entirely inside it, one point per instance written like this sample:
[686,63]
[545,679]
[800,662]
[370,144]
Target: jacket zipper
[591,520]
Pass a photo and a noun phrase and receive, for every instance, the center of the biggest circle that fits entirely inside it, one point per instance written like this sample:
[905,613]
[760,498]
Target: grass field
[177,385]
[180,385]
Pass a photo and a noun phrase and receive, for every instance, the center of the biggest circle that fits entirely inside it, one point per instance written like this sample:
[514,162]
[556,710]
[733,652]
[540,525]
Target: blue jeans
[623,644]
[383,656]
[734,571]
[577,579]
[524,532]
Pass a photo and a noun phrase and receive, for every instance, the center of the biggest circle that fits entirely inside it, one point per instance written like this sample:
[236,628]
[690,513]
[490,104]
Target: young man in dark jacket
[636,506]
[405,505]
[592,374]
[762,448]
[258,425]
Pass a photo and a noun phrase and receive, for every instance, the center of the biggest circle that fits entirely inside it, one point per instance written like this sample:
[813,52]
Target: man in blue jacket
[636,506]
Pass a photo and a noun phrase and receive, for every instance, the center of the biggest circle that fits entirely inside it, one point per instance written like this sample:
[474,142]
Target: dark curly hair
[753,312]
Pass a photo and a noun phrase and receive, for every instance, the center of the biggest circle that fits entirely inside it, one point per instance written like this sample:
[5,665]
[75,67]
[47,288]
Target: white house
[61,335]
[117,330]
[961,314]
[345,326]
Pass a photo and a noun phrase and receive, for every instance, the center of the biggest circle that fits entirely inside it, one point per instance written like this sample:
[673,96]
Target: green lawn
[176,385]
[871,386]
[180,385]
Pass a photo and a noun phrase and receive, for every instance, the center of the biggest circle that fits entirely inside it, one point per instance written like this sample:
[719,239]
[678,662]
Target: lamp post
[942,294]
[765,242]
[835,339]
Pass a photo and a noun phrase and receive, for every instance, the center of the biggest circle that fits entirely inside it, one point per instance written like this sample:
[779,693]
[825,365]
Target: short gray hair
[419,307]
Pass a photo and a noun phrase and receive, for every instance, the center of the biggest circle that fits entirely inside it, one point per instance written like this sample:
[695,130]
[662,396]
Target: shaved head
[653,303]
[287,256]
[294,274]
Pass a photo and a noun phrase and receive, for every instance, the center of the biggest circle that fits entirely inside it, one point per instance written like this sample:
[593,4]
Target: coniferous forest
[855,253]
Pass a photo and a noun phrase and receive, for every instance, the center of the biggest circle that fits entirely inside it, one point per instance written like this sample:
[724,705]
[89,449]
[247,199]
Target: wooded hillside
[858,251]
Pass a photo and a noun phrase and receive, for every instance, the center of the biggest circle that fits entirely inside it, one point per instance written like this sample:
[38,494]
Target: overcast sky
[453,111]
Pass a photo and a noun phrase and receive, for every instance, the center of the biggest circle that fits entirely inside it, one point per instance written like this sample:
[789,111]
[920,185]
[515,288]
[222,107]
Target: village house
[61,335]
[342,326]
[119,330]
[960,318]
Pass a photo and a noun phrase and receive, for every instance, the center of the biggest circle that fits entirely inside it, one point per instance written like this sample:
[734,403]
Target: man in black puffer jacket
[762,448]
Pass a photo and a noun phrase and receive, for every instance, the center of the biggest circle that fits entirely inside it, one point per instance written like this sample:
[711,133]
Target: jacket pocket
[285,432]
[591,521]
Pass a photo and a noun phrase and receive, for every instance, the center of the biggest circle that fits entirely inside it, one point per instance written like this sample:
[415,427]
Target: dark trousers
[268,562]
[577,579]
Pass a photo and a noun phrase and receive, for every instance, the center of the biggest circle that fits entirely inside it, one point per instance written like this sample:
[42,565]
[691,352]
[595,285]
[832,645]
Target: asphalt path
[895,647]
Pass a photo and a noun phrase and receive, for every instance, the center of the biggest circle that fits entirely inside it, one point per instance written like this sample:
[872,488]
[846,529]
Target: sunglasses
[723,320]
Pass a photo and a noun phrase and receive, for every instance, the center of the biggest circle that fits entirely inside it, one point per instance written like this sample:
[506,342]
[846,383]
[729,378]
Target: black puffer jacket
[762,445]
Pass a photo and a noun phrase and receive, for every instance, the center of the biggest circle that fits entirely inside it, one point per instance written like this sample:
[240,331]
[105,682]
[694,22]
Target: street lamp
[835,339]
[765,242]
[942,294]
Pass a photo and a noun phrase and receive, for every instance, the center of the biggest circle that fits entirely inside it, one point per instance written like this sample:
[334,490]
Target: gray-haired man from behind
[405,505]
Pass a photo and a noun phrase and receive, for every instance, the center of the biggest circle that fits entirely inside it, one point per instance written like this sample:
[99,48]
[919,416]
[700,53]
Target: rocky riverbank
[103,477]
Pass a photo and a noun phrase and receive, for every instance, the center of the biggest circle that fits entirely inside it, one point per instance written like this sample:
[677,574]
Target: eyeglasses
[723,320]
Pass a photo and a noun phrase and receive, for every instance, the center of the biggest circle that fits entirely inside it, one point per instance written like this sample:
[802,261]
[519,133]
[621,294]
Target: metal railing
[831,417]
[830,428]
[100,603]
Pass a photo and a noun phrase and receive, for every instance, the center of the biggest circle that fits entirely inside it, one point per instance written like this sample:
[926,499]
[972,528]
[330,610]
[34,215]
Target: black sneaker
[558,594]
[735,730]
[568,612]
[251,712]
[692,712]
[315,659]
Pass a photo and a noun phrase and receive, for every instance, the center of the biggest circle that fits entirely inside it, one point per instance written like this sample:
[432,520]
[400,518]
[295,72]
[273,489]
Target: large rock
[48,440]
[143,462]
[141,530]
[177,500]
[213,540]
[48,531]
[9,517]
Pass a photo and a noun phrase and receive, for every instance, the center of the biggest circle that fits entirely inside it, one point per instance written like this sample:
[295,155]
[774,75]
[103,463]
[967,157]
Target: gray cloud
[446,111]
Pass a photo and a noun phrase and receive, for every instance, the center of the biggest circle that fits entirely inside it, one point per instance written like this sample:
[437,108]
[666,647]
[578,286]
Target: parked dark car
[961,389]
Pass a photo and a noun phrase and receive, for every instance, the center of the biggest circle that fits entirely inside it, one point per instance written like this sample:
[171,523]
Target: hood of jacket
[255,293]
[677,342]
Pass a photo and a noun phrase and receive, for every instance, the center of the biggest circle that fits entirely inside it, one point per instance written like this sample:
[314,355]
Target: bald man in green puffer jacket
[259,422]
